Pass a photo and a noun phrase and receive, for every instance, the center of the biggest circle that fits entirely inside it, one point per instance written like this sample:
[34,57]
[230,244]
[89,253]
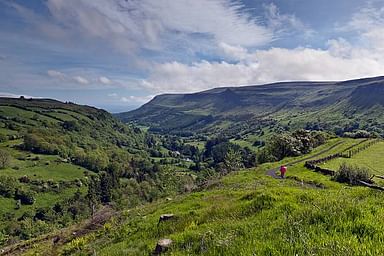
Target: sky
[119,54]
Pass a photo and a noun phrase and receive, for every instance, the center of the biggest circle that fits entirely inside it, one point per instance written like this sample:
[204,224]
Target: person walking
[283,170]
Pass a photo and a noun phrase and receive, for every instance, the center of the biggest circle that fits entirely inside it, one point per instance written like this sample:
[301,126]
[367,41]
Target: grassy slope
[233,111]
[248,213]
[372,158]
[27,114]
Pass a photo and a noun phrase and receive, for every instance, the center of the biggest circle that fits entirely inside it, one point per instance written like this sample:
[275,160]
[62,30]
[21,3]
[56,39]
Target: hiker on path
[283,170]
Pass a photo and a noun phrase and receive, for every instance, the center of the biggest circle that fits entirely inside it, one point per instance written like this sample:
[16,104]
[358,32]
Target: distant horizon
[124,108]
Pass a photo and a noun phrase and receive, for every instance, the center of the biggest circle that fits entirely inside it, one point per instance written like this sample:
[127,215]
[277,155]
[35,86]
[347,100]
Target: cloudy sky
[117,54]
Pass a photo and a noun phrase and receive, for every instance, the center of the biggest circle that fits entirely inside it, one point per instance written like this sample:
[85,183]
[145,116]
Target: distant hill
[316,105]
[83,125]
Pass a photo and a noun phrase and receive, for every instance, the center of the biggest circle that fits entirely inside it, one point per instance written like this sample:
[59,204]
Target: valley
[76,180]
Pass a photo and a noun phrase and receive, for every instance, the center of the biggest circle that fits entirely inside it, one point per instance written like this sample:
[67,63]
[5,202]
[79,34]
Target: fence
[347,153]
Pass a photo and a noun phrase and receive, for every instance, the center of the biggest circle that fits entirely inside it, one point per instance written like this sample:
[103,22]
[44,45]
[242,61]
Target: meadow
[371,158]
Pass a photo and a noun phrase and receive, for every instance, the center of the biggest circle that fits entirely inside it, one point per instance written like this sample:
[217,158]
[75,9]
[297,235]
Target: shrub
[26,197]
[8,186]
[5,159]
[352,174]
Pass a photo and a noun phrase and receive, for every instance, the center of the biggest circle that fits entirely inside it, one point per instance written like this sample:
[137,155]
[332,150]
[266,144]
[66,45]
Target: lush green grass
[48,171]
[248,213]
[371,158]
[46,199]
[38,166]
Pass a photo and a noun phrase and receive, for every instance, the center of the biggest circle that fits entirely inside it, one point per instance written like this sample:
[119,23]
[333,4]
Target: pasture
[371,158]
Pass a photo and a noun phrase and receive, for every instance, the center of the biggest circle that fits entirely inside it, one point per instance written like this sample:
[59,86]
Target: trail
[64,235]
[272,172]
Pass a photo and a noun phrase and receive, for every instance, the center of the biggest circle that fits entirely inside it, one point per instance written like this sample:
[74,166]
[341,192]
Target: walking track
[272,172]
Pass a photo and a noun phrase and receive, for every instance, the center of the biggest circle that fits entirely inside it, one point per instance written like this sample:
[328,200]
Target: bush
[26,197]
[352,174]
[8,186]
[5,159]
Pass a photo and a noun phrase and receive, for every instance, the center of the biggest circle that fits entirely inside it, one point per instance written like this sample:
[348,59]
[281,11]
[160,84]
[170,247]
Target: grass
[47,199]
[249,213]
[38,166]
[371,158]
[52,171]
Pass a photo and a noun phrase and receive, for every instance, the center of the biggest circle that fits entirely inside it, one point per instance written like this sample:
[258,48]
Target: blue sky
[118,54]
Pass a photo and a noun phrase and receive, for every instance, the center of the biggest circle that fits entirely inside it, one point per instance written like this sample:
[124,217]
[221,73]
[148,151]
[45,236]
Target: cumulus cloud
[132,98]
[137,99]
[263,66]
[341,59]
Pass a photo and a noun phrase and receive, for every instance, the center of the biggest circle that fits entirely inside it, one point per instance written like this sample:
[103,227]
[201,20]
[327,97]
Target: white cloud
[83,77]
[341,59]
[285,24]
[56,74]
[80,80]
[132,98]
[137,99]
[135,24]
[105,80]
[263,66]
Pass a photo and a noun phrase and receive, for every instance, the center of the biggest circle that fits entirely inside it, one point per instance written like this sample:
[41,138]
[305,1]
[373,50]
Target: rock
[162,246]
[56,239]
[165,217]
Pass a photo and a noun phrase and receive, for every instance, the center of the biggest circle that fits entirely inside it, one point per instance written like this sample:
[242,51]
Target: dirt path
[64,235]
[272,172]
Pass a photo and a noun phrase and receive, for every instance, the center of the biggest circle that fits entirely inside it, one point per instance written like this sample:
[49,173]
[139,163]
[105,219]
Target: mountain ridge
[203,112]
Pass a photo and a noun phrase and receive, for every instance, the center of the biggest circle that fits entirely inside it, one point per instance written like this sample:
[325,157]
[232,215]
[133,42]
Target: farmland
[371,158]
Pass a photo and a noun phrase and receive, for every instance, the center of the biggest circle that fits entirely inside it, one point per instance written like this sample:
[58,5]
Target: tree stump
[162,246]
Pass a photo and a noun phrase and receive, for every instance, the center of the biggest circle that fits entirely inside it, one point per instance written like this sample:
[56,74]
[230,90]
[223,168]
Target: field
[371,158]
[42,168]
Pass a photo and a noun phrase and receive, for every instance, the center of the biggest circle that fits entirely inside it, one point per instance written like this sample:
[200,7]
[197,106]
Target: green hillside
[337,106]
[243,213]
[61,163]
[50,152]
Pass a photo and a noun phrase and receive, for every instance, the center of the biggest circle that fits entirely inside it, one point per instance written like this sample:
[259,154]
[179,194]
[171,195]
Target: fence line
[346,153]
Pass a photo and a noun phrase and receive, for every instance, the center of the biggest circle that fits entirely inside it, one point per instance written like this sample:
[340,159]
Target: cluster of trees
[36,221]
[11,188]
[291,144]
[227,156]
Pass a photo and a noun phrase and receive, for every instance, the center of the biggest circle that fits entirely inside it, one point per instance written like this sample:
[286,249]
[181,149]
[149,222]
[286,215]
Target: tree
[5,159]
[232,160]
[93,195]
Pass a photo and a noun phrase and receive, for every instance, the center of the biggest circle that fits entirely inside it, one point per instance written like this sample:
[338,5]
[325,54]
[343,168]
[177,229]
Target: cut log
[371,185]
